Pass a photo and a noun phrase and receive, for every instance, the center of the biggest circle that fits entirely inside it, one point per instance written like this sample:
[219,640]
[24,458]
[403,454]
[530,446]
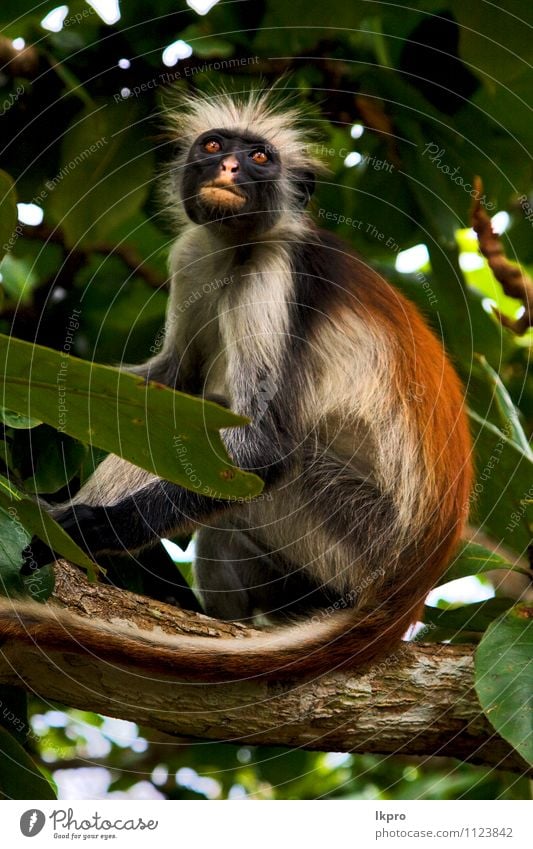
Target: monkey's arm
[163,509]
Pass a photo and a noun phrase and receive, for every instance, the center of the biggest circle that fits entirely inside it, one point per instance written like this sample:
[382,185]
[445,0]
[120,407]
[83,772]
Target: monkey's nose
[230,163]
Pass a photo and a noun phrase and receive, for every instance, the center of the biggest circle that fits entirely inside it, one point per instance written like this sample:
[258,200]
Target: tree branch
[420,701]
[513,280]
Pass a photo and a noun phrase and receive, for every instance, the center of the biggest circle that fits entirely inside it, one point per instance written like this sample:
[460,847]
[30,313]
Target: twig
[513,279]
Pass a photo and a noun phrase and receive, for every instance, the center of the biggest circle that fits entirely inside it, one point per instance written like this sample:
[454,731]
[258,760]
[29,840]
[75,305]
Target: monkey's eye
[212,146]
[259,157]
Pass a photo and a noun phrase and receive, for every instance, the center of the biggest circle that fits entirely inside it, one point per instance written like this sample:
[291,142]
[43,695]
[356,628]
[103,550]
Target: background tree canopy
[411,103]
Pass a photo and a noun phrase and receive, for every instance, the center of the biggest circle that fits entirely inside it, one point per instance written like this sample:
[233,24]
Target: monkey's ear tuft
[304,182]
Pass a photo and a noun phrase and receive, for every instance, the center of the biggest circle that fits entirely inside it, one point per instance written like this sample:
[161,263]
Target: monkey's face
[234,180]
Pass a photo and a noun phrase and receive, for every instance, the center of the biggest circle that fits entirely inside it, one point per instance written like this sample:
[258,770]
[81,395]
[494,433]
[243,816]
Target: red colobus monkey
[367,480]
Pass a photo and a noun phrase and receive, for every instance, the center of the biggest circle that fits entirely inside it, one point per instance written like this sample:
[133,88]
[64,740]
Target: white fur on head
[260,112]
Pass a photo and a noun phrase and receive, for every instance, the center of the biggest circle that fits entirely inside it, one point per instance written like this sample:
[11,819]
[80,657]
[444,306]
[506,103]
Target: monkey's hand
[87,528]
[91,528]
[139,520]
[36,555]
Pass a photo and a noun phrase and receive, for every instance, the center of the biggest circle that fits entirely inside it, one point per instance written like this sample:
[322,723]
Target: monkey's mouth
[222,196]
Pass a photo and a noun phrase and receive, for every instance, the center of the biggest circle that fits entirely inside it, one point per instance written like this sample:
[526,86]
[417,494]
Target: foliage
[412,101]
[120,759]
[503,677]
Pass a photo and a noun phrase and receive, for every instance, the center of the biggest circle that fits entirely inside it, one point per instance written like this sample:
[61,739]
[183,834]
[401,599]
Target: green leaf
[105,173]
[5,453]
[468,617]
[17,420]
[29,516]
[40,584]
[14,712]
[13,540]
[433,169]
[8,213]
[455,298]
[495,46]
[171,434]
[54,458]
[18,278]
[501,503]
[141,234]
[474,559]
[287,28]
[20,777]
[510,107]
[504,672]
[205,45]
[508,412]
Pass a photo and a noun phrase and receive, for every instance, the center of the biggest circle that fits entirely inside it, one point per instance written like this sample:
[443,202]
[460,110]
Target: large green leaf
[14,712]
[476,331]
[18,279]
[8,212]
[509,416]
[501,502]
[105,174]
[19,776]
[467,617]
[29,515]
[288,27]
[13,540]
[46,459]
[474,559]
[168,433]
[495,46]
[504,673]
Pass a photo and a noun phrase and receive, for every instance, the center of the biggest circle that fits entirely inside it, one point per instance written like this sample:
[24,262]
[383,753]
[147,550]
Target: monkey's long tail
[343,639]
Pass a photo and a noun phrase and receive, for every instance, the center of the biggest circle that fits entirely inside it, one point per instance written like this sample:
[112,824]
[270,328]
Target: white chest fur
[228,315]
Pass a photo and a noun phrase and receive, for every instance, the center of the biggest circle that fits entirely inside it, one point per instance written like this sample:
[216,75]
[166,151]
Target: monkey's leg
[218,574]
[163,509]
[236,578]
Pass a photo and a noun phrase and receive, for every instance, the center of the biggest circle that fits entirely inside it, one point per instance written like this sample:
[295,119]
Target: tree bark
[420,701]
